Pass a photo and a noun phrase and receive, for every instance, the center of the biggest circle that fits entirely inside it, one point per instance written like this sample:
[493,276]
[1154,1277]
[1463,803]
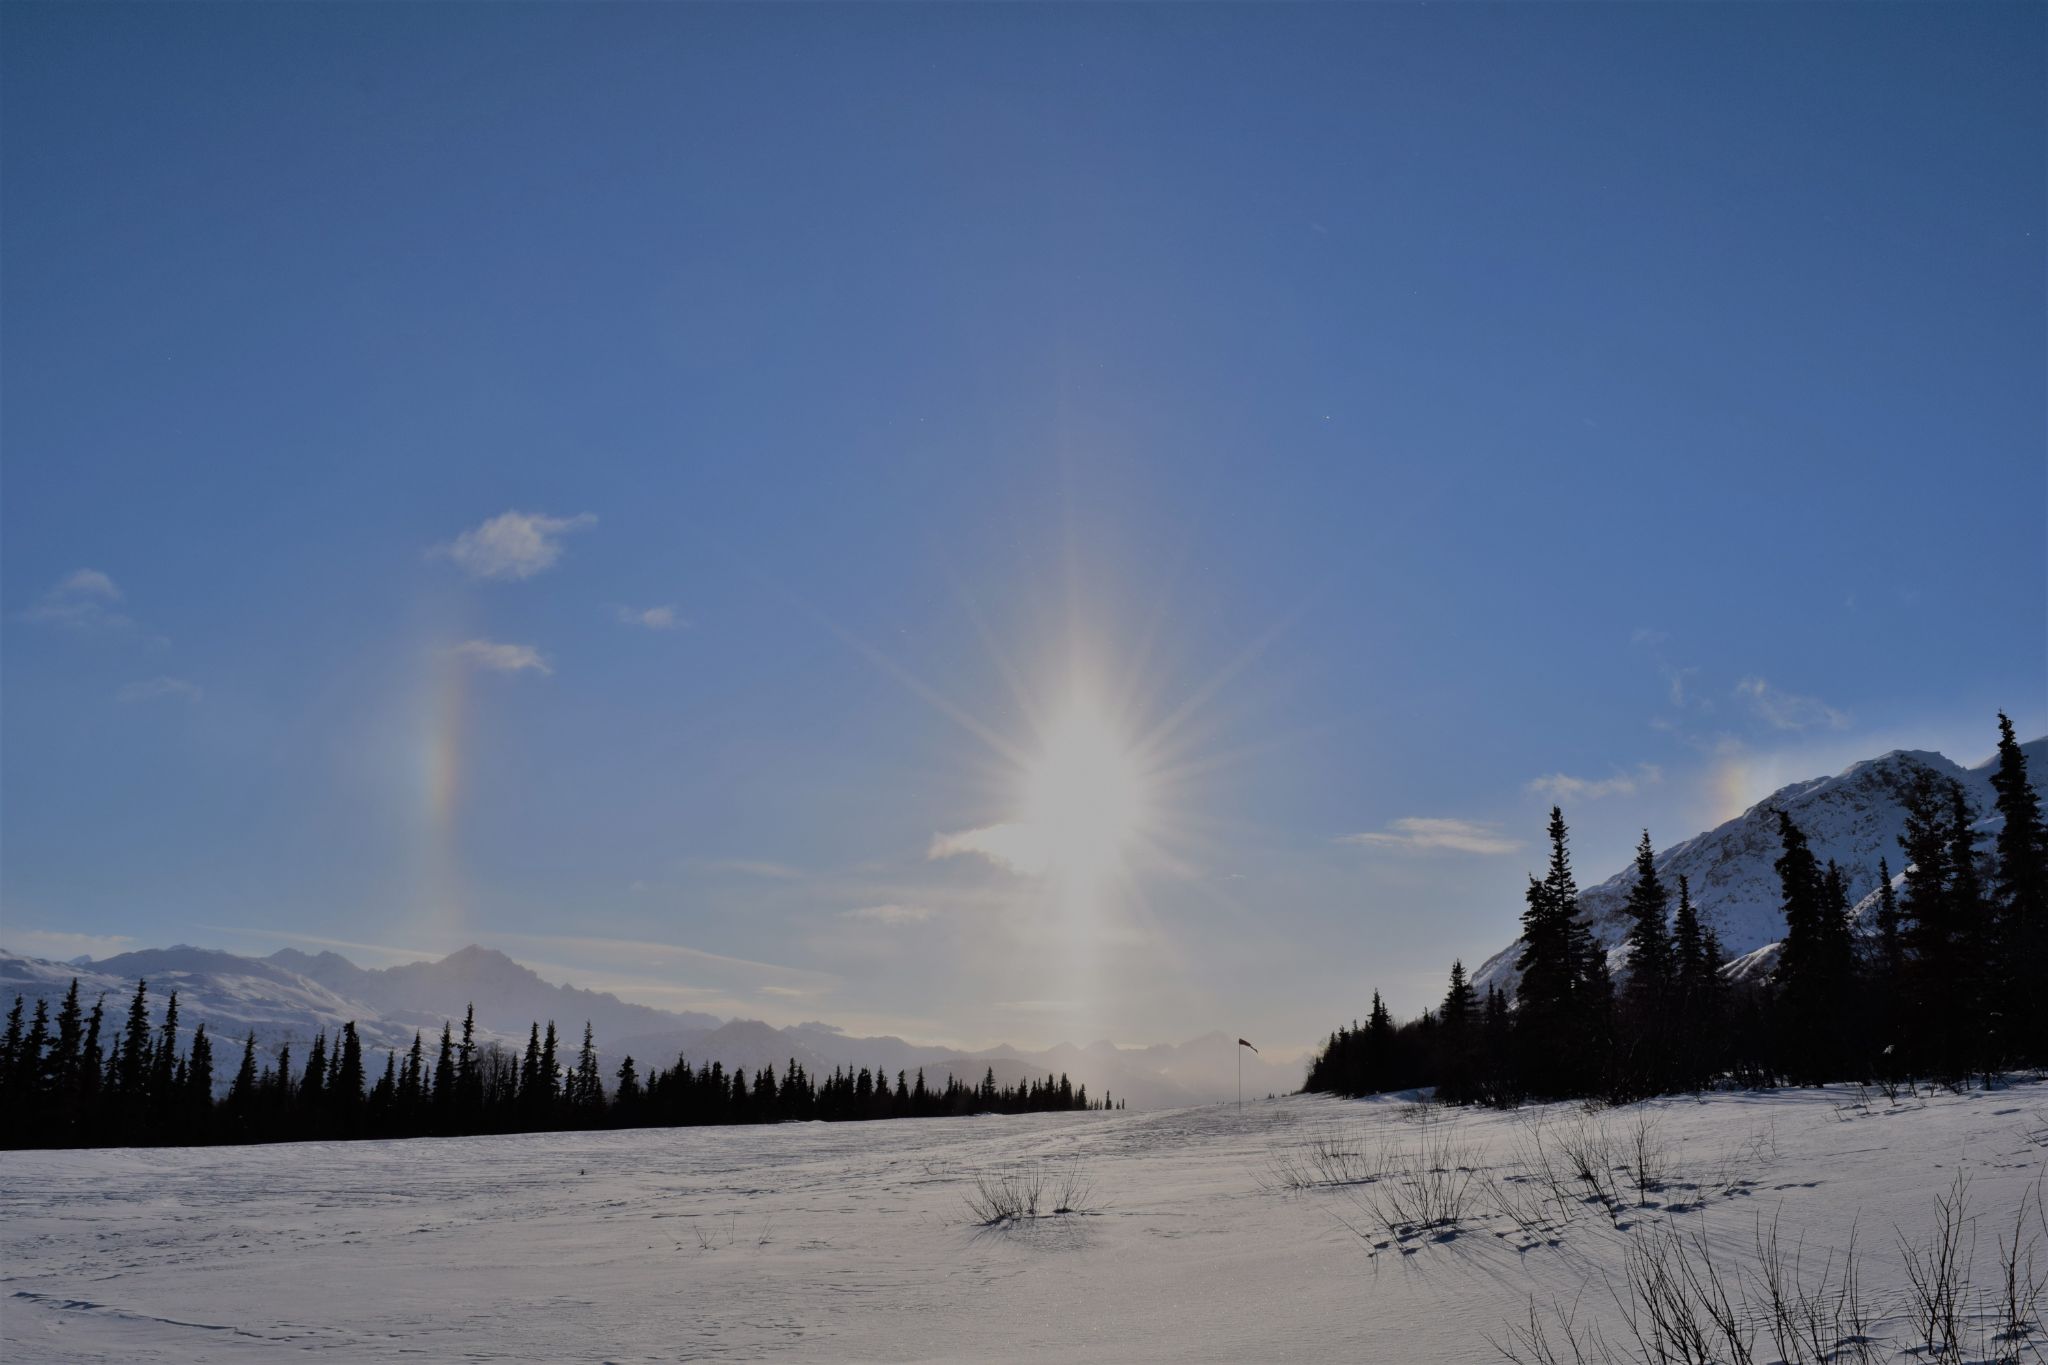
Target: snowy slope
[232,995]
[1854,817]
[853,1242]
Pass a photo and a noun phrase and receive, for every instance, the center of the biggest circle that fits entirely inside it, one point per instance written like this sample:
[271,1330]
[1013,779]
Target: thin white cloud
[753,867]
[347,945]
[513,544]
[649,618]
[61,946]
[502,658]
[644,954]
[1564,787]
[83,600]
[151,688]
[1424,834]
[89,583]
[892,915]
[1017,848]
[1788,710]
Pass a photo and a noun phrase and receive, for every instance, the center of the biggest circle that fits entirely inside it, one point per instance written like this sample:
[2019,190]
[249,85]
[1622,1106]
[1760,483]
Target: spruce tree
[1652,974]
[28,1096]
[529,1068]
[589,1092]
[1546,962]
[197,1101]
[312,1096]
[10,1053]
[132,1070]
[469,1085]
[345,1084]
[92,1067]
[1460,1003]
[242,1090]
[1459,1032]
[163,1090]
[2020,896]
[451,1080]
[61,1071]
[550,1067]
[1810,986]
[1980,1031]
[1650,970]
[1888,964]
[410,1099]
[1935,999]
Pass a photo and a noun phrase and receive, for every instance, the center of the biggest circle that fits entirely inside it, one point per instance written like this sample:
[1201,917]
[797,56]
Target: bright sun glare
[1084,798]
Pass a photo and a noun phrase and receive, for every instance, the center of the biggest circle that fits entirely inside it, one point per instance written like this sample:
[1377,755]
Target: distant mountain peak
[1853,817]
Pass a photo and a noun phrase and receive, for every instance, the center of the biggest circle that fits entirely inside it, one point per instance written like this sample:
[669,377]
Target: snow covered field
[854,1241]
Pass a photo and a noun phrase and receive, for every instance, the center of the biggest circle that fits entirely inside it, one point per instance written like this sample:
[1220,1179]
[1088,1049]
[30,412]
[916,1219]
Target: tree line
[1943,980]
[64,1084]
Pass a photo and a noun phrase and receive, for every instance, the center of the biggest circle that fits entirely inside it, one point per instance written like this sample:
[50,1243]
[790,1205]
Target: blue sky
[624,484]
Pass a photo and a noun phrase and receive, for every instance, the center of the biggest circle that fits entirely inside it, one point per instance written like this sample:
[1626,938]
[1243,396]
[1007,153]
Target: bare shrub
[1426,1188]
[1006,1196]
[1647,1161]
[1680,1308]
[1531,1344]
[1938,1272]
[2021,1280]
[1030,1191]
[1590,1156]
[1826,1321]
[1071,1191]
[1331,1158]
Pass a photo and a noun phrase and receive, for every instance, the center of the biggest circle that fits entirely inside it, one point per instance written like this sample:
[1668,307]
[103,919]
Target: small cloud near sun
[83,600]
[1011,846]
[892,915]
[151,688]
[502,658]
[1423,834]
[1564,787]
[512,545]
[649,618]
[1783,710]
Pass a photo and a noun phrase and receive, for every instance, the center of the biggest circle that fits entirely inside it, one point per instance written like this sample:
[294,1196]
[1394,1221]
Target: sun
[1085,796]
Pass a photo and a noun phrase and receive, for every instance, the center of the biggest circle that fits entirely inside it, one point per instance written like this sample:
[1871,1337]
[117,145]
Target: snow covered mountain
[290,996]
[1854,817]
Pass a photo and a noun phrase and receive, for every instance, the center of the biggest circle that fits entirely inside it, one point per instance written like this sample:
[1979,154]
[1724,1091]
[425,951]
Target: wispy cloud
[649,618]
[383,950]
[1017,848]
[753,867]
[1423,834]
[502,658]
[513,544]
[84,600]
[151,688]
[1677,678]
[1564,787]
[62,946]
[642,954]
[1788,710]
[892,915]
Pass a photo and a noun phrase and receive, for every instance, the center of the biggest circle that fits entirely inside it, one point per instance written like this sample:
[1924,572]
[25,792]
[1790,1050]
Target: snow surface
[853,1241]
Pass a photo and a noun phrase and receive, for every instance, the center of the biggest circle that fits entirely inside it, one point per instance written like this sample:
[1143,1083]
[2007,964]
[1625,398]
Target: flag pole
[1242,1044]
